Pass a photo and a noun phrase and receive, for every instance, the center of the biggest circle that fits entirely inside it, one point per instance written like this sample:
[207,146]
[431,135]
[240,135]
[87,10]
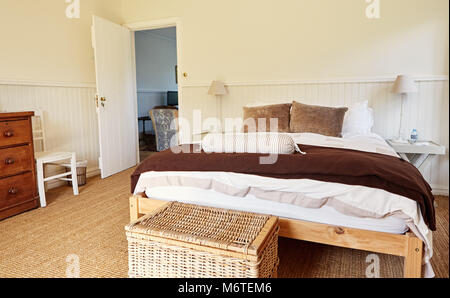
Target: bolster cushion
[264,143]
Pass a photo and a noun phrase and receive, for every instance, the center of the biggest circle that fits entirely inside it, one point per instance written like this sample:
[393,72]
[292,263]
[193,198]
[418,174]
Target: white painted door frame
[157,24]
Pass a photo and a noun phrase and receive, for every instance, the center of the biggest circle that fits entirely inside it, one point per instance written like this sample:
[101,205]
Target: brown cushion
[282,112]
[315,119]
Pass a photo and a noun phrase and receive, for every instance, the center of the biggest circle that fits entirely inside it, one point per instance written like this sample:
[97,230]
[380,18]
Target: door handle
[103,100]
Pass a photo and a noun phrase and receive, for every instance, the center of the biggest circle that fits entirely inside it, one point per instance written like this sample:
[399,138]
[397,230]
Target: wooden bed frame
[408,245]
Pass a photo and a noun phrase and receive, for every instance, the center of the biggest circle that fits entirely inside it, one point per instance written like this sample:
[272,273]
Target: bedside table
[417,153]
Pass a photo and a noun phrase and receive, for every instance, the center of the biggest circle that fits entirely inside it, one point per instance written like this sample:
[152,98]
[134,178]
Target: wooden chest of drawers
[18,191]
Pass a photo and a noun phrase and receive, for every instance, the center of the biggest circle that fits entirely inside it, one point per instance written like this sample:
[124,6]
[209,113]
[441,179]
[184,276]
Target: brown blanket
[324,164]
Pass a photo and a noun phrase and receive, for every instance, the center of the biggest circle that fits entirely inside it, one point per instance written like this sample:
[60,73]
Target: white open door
[116,109]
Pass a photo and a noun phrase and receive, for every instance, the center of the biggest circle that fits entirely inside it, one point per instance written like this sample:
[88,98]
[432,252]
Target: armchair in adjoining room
[165,123]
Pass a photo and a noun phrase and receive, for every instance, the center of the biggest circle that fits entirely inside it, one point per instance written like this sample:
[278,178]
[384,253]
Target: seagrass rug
[89,229]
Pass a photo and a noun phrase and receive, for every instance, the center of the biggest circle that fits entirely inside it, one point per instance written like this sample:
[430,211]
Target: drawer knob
[9,161]
[8,133]
[13,191]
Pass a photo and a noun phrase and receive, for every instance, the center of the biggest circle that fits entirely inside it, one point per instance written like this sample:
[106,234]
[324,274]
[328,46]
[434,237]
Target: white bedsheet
[303,199]
[250,203]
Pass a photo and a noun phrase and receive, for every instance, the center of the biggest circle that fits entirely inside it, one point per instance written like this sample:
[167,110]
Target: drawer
[17,190]
[15,160]
[15,132]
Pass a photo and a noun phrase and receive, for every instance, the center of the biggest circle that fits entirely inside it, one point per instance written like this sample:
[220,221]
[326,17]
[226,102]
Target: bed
[387,208]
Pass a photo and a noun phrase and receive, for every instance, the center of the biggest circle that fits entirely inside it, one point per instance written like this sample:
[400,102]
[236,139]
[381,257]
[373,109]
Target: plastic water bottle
[414,136]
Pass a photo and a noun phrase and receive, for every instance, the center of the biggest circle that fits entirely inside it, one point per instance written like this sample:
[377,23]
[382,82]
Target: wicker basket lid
[228,230]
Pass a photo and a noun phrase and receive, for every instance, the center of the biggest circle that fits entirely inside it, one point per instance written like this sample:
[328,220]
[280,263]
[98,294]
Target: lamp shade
[217,88]
[405,84]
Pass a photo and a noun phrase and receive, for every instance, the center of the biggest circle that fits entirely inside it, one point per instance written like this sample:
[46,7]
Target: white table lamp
[403,85]
[218,89]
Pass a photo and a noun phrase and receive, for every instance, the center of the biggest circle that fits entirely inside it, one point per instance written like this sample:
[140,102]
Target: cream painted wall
[268,50]
[249,43]
[259,40]
[39,43]
[47,63]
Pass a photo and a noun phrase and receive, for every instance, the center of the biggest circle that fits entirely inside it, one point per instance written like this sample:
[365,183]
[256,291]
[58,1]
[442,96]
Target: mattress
[325,215]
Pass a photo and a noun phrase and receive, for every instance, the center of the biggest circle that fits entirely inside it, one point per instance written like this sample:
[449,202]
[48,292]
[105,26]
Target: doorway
[156,81]
[116,100]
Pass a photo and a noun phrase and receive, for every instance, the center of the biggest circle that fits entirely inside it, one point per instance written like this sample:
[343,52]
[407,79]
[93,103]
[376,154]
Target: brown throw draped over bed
[324,164]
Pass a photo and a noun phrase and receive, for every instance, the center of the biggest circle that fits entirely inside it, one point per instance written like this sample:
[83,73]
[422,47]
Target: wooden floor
[38,243]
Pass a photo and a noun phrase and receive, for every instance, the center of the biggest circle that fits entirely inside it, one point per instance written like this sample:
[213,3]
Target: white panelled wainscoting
[71,121]
[427,110]
[70,117]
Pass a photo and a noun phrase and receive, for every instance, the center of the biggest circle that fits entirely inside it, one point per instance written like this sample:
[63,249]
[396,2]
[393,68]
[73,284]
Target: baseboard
[91,172]
[439,190]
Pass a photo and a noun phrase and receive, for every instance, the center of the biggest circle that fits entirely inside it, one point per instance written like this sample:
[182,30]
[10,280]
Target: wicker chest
[189,241]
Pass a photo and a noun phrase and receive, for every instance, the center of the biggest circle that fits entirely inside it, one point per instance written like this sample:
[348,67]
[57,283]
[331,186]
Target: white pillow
[263,143]
[358,120]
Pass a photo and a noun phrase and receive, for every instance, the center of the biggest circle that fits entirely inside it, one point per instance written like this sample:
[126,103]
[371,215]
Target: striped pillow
[263,143]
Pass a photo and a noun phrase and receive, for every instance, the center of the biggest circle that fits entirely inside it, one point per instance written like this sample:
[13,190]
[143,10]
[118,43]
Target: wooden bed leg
[413,258]
[134,208]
